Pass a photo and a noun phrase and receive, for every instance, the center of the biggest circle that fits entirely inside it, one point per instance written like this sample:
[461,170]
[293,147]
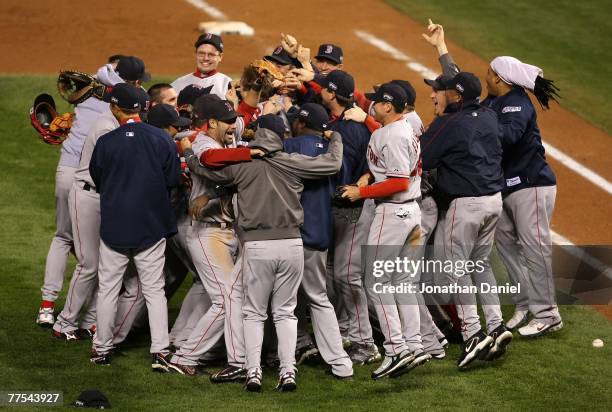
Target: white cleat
[537,328]
[517,320]
[45,317]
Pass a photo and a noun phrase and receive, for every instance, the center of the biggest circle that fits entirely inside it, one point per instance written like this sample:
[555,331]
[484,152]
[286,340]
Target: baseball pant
[524,242]
[194,306]
[130,304]
[324,322]
[84,208]
[213,251]
[465,233]
[348,273]
[395,232]
[61,244]
[149,264]
[272,271]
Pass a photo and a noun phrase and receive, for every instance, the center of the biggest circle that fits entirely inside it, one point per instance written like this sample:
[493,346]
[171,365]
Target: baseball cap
[164,115]
[441,82]
[467,85]
[314,116]
[272,122]
[132,68]
[126,96]
[92,398]
[280,56]
[209,38]
[410,92]
[190,94]
[330,52]
[211,106]
[389,92]
[340,82]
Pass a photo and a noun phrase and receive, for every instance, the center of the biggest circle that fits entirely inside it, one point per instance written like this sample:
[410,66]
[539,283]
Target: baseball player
[132,168]
[465,147]
[351,220]
[529,193]
[308,127]
[162,93]
[85,114]
[393,160]
[273,260]
[208,53]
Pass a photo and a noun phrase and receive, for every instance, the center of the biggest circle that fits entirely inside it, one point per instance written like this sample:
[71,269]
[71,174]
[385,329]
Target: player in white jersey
[208,53]
[393,160]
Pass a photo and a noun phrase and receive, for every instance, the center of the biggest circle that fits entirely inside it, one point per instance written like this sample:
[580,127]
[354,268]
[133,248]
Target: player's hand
[185,143]
[364,180]
[255,153]
[436,37]
[355,114]
[303,54]
[272,106]
[186,181]
[232,96]
[290,44]
[303,75]
[292,83]
[351,193]
[197,205]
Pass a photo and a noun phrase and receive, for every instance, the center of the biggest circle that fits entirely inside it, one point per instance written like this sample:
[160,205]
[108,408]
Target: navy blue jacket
[524,161]
[355,138]
[317,194]
[133,168]
[465,146]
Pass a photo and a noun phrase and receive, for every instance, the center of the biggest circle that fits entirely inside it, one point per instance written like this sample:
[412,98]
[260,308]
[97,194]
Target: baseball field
[381,41]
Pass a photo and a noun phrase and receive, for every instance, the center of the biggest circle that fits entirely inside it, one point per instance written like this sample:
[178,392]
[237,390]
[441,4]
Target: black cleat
[501,339]
[229,374]
[286,382]
[473,346]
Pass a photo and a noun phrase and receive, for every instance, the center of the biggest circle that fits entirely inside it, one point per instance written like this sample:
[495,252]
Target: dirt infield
[38,39]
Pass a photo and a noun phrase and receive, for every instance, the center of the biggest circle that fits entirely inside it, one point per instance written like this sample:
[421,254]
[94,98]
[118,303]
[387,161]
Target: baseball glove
[266,68]
[76,87]
[51,127]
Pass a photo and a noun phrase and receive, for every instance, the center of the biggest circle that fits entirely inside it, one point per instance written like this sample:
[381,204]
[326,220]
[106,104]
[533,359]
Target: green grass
[561,372]
[569,40]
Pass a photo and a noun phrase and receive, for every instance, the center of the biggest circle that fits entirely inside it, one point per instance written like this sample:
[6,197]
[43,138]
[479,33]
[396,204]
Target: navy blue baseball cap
[391,93]
[467,85]
[212,39]
[126,96]
[440,83]
[410,92]
[132,68]
[280,56]
[314,116]
[339,82]
[211,106]
[191,93]
[330,52]
[272,122]
[164,115]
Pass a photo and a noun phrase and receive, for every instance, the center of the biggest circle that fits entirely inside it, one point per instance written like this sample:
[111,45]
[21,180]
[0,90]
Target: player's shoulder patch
[511,109]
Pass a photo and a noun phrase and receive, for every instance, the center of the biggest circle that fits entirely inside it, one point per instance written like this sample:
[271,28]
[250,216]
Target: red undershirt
[384,189]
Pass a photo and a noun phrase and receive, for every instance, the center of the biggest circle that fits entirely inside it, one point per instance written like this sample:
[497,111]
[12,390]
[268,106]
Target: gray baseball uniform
[213,246]
[393,152]
[84,206]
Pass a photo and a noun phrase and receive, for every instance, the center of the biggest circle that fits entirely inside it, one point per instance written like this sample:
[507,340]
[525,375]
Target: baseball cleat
[537,328]
[419,359]
[187,370]
[443,341]
[330,371]
[86,333]
[518,319]
[438,355]
[253,380]
[160,363]
[99,359]
[229,374]
[72,335]
[45,317]
[393,363]
[474,345]
[364,353]
[286,382]
[306,352]
[501,339]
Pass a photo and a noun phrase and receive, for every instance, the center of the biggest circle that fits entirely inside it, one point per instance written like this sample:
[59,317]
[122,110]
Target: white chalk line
[208,9]
[552,151]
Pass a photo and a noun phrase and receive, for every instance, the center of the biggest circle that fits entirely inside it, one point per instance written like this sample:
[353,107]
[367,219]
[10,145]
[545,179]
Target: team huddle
[284,193]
